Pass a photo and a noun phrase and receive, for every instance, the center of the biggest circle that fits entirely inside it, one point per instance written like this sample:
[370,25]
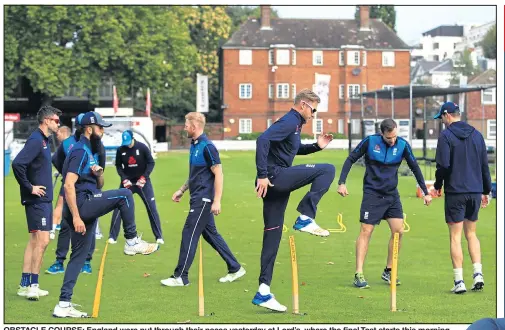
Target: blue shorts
[374,208]
[39,217]
[459,207]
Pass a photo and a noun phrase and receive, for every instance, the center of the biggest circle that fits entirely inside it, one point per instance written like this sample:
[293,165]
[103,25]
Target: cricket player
[205,186]
[462,166]
[276,179]
[32,169]
[383,153]
[85,202]
[134,164]
[58,160]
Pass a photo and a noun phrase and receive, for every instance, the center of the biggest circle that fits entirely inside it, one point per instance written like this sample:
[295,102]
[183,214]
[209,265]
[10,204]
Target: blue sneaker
[86,269]
[268,301]
[386,276]
[58,227]
[310,226]
[56,268]
[360,282]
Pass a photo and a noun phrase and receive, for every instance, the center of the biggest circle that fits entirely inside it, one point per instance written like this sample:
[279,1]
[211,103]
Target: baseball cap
[127,138]
[447,107]
[94,118]
[78,119]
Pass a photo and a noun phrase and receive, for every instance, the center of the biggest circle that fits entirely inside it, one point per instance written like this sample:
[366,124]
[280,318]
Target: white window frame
[293,90]
[363,58]
[388,57]
[246,122]
[490,91]
[315,124]
[341,58]
[491,123]
[245,96]
[315,55]
[293,56]
[271,57]
[355,126]
[363,89]
[353,57]
[388,87]
[351,93]
[282,57]
[245,57]
[341,91]
[340,128]
[282,91]
[269,122]
[271,91]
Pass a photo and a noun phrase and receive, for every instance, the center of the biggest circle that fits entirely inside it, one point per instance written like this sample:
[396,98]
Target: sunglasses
[56,120]
[314,110]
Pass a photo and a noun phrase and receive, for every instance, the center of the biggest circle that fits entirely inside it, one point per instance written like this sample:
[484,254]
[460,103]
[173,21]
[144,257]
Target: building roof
[430,67]
[315,33]
[445,31]
[403,92]
[444,66]
[487,77]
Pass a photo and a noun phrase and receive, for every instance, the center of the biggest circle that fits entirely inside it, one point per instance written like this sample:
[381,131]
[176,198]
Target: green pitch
[132,292]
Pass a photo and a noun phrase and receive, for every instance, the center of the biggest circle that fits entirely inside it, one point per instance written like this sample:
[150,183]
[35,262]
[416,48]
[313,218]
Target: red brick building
[481,106]
[266,62]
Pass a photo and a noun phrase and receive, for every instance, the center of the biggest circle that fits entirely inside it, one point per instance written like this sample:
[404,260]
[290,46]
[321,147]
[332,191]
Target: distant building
[481,106]
[439,43]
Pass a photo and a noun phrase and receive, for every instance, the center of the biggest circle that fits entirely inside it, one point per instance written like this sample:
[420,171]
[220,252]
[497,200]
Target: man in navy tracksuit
[383,156]
[205,185]
[32,169]
[85,202]
[134,164]
[64,235]
[276,179]
[462,165]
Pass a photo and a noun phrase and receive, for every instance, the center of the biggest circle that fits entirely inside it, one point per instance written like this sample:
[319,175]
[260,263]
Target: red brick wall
[474,107]
[260,108]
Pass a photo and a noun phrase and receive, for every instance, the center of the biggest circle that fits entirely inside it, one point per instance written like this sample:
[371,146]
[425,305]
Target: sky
[411,21]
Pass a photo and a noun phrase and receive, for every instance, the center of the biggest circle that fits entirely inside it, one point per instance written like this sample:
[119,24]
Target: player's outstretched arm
[414,167]
[176,197]
[353,157]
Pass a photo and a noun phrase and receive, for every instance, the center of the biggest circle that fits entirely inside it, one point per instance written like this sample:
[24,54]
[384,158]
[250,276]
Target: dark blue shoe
[360,282]
[56,268]
[86,269]
[268,301]
[58,227]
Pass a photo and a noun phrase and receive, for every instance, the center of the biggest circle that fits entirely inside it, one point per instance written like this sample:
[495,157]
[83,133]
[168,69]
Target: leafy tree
[488,44]
[240,14]
[386,13]
[463,66]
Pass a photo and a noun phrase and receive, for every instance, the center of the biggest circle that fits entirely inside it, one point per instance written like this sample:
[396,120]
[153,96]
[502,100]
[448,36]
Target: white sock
[304,217]
[458,274]
[477,268]
[64,304]
[54,226]
[264,289]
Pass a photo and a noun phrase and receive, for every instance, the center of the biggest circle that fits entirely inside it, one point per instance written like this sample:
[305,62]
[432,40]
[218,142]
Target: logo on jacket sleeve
[44,144]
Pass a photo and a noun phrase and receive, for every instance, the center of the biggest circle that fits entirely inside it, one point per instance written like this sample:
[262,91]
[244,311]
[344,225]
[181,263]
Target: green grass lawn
[325,265]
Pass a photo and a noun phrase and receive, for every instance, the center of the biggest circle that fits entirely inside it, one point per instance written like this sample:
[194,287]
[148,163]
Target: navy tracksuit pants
[147,195]
[200,221]
[286,180]
[64,241]
[90,209]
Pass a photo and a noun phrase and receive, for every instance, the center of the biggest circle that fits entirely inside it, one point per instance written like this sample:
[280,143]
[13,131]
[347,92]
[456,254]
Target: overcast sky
[411,21]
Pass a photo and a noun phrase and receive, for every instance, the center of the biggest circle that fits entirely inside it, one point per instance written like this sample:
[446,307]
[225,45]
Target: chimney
[364,18]
[265,18]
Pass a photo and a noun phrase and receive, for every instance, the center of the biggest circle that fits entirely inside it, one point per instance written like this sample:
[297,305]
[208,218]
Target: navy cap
[94,118]
[78,118]
[447,107]
[127,138]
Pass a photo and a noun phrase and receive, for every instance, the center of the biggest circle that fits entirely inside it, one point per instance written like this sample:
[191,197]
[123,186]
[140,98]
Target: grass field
[325,265]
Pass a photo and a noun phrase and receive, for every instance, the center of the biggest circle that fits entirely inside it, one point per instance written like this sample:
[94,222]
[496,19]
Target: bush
[248,136]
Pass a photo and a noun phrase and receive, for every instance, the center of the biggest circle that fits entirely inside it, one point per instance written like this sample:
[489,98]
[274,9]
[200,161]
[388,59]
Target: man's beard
[95,141]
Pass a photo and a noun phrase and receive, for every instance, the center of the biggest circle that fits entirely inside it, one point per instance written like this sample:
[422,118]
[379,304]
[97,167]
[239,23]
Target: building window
[491,129]
[436,45]
[293,90]
[269,123]
[363,58]
[436,58]
[245,126]
[282,56]
[282,91]
[353,91]
[271,57]
[245,57]
[388,58]
[488,96]
[352,57]
[340,126]
[317,126]
[317,57]
[388,87]
[341,58]
[341,91]
[363,88]
[293,56]
[355,126]
[270,91]
[245,91]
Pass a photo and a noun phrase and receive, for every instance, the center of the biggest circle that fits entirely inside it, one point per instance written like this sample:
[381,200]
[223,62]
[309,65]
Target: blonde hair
[307,95]
[196,118]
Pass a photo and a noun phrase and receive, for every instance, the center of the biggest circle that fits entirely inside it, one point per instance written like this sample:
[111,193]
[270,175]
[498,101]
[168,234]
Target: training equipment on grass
[284,228]
[394,271]
[406,226]
[294,273]
[98,291]
[342,228]
[201,301]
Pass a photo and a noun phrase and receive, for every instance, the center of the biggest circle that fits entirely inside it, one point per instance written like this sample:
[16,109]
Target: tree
[240,14]
[386,13]
[488,44]
[463,66]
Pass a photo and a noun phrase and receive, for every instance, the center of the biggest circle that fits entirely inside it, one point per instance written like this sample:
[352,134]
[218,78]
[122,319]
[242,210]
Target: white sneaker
[268,301]
[111,241]
[310,226]
[459,287]
[478,282]
[172,281]
[98,236]
[140,247]
[52,234]
[230,277]
[33,292]
[23,291]
[160,241]
[69,311]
